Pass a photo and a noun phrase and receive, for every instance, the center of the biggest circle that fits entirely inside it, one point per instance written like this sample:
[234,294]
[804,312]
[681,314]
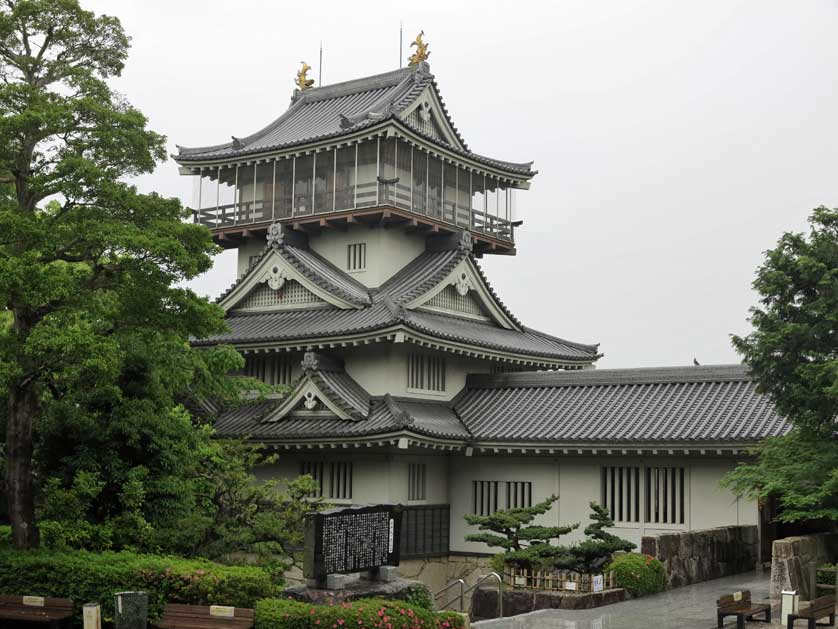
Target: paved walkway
[690,607]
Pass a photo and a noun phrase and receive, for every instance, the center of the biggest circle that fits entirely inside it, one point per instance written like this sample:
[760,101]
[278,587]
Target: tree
[512,529]
[89,267]
[793,356]
[598,548]
[793,349]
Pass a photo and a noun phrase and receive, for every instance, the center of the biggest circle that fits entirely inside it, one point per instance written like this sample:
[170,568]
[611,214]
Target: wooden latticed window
[664,495]
[270,368]
[484,497]
[334,479]
[621,492]
[356,256]
[340,481]
[425,372]
[315,470]
[518,494]
[416,481]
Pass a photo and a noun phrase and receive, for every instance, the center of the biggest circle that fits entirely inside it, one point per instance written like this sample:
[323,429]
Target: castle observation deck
[376,150]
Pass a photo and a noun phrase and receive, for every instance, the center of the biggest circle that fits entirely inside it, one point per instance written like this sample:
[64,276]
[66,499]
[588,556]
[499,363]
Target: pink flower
[341,621]
[317,622]
[311,611]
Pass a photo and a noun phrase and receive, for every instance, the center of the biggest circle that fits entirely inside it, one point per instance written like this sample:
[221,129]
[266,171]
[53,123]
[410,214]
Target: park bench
[821,607]
[739,604]
[199,617]
[56,612]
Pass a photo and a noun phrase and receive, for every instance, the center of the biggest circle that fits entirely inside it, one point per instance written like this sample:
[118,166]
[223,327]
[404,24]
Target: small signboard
[598,583]
[222,611]
[34,601]
[570,585]
[351,539]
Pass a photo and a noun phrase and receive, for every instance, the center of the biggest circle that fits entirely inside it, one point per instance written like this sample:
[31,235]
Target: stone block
[337,581]
[384,573]
[484,603]
[130,610]
[548,600]
[517,602]
[356,589]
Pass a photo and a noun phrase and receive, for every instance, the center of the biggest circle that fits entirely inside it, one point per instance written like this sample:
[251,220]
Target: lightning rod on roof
[400,44]
[320,69]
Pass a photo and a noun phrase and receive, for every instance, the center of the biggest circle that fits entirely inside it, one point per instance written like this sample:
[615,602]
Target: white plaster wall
[388,250]
[542,472]
[384,478]
[250,247]
[382,369]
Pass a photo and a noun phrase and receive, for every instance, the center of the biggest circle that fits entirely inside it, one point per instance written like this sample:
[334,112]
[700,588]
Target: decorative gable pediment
[274,284]
[427,116]
[464,292]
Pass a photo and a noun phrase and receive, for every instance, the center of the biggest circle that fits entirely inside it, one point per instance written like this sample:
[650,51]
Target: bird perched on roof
[696,363]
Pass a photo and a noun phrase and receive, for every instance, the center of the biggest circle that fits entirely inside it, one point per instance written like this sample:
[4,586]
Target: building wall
[388,250]
[382,369]
[383,477]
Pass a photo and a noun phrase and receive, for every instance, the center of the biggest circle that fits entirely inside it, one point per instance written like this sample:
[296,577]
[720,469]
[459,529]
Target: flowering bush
[639,574]
[364,614]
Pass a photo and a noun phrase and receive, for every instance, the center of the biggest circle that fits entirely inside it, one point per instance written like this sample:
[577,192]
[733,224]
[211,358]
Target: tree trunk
[22,409]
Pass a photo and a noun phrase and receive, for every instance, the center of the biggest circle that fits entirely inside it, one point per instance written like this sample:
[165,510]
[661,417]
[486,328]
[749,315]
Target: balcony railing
[365,195]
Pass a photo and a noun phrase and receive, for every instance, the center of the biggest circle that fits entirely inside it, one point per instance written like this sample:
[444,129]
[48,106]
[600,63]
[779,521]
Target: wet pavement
[690,607]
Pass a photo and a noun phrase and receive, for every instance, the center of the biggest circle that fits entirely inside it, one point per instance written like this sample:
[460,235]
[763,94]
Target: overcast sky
[674,141]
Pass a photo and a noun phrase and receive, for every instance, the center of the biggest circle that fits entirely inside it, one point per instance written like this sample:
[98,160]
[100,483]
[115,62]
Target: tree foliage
[512,529]
[793,349]
[792,353]
[599,546]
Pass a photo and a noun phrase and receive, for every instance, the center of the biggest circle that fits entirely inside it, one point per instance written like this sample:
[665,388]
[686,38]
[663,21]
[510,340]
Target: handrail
[462,585]
[483,578]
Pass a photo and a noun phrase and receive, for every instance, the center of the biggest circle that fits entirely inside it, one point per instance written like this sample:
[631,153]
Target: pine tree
[512,529]
[599,546]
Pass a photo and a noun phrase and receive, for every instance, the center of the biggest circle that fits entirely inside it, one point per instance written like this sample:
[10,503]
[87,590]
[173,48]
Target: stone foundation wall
[437,572]
[695,556]
[517,602]
[790,559]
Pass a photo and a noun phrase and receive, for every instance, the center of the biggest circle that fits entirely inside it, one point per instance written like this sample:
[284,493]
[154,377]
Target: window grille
[484,497]
[621,493]
[489,496]
[270,368]
[664,495]
[425,372]
[333,479]
[356,256]
[340,476]
[416,481]
[315,470]
[518,495]
[290,294]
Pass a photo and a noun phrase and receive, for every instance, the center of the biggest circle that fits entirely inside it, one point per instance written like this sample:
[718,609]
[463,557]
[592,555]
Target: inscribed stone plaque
[351,539]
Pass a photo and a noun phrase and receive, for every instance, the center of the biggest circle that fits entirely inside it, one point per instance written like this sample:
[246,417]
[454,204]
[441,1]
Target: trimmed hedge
[639,574]
[86,577]
[363,614]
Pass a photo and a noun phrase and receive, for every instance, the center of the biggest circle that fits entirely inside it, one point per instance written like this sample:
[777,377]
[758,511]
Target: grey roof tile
[334,110]
[708,404]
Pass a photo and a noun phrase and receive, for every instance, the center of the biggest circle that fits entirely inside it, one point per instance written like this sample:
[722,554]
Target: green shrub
[363,614]
[85,577]
[5,536]
[639,574]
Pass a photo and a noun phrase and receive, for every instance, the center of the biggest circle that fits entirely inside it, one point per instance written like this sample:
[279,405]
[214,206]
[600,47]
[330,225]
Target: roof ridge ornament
[302,81]
[422,53]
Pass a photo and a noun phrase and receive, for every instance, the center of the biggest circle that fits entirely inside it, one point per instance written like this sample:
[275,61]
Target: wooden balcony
[386,204]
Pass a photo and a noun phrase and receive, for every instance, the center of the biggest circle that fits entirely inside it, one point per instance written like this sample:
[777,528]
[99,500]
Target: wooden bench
[199,617]
[739,604]
[56,612]
[821,607]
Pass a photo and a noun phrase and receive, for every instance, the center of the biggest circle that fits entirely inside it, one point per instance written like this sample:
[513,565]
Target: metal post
[273,194]
[335,179]
[313,180]
[456,192]
[442,188]
[218,197]
[200,190]
[427,181]
[412,180]
[355,180]
[378,171]
[236,198]
[395,171]
[253,209]
[294,186]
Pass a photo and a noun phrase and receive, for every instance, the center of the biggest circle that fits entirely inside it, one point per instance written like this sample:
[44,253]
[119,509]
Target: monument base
[397,589]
